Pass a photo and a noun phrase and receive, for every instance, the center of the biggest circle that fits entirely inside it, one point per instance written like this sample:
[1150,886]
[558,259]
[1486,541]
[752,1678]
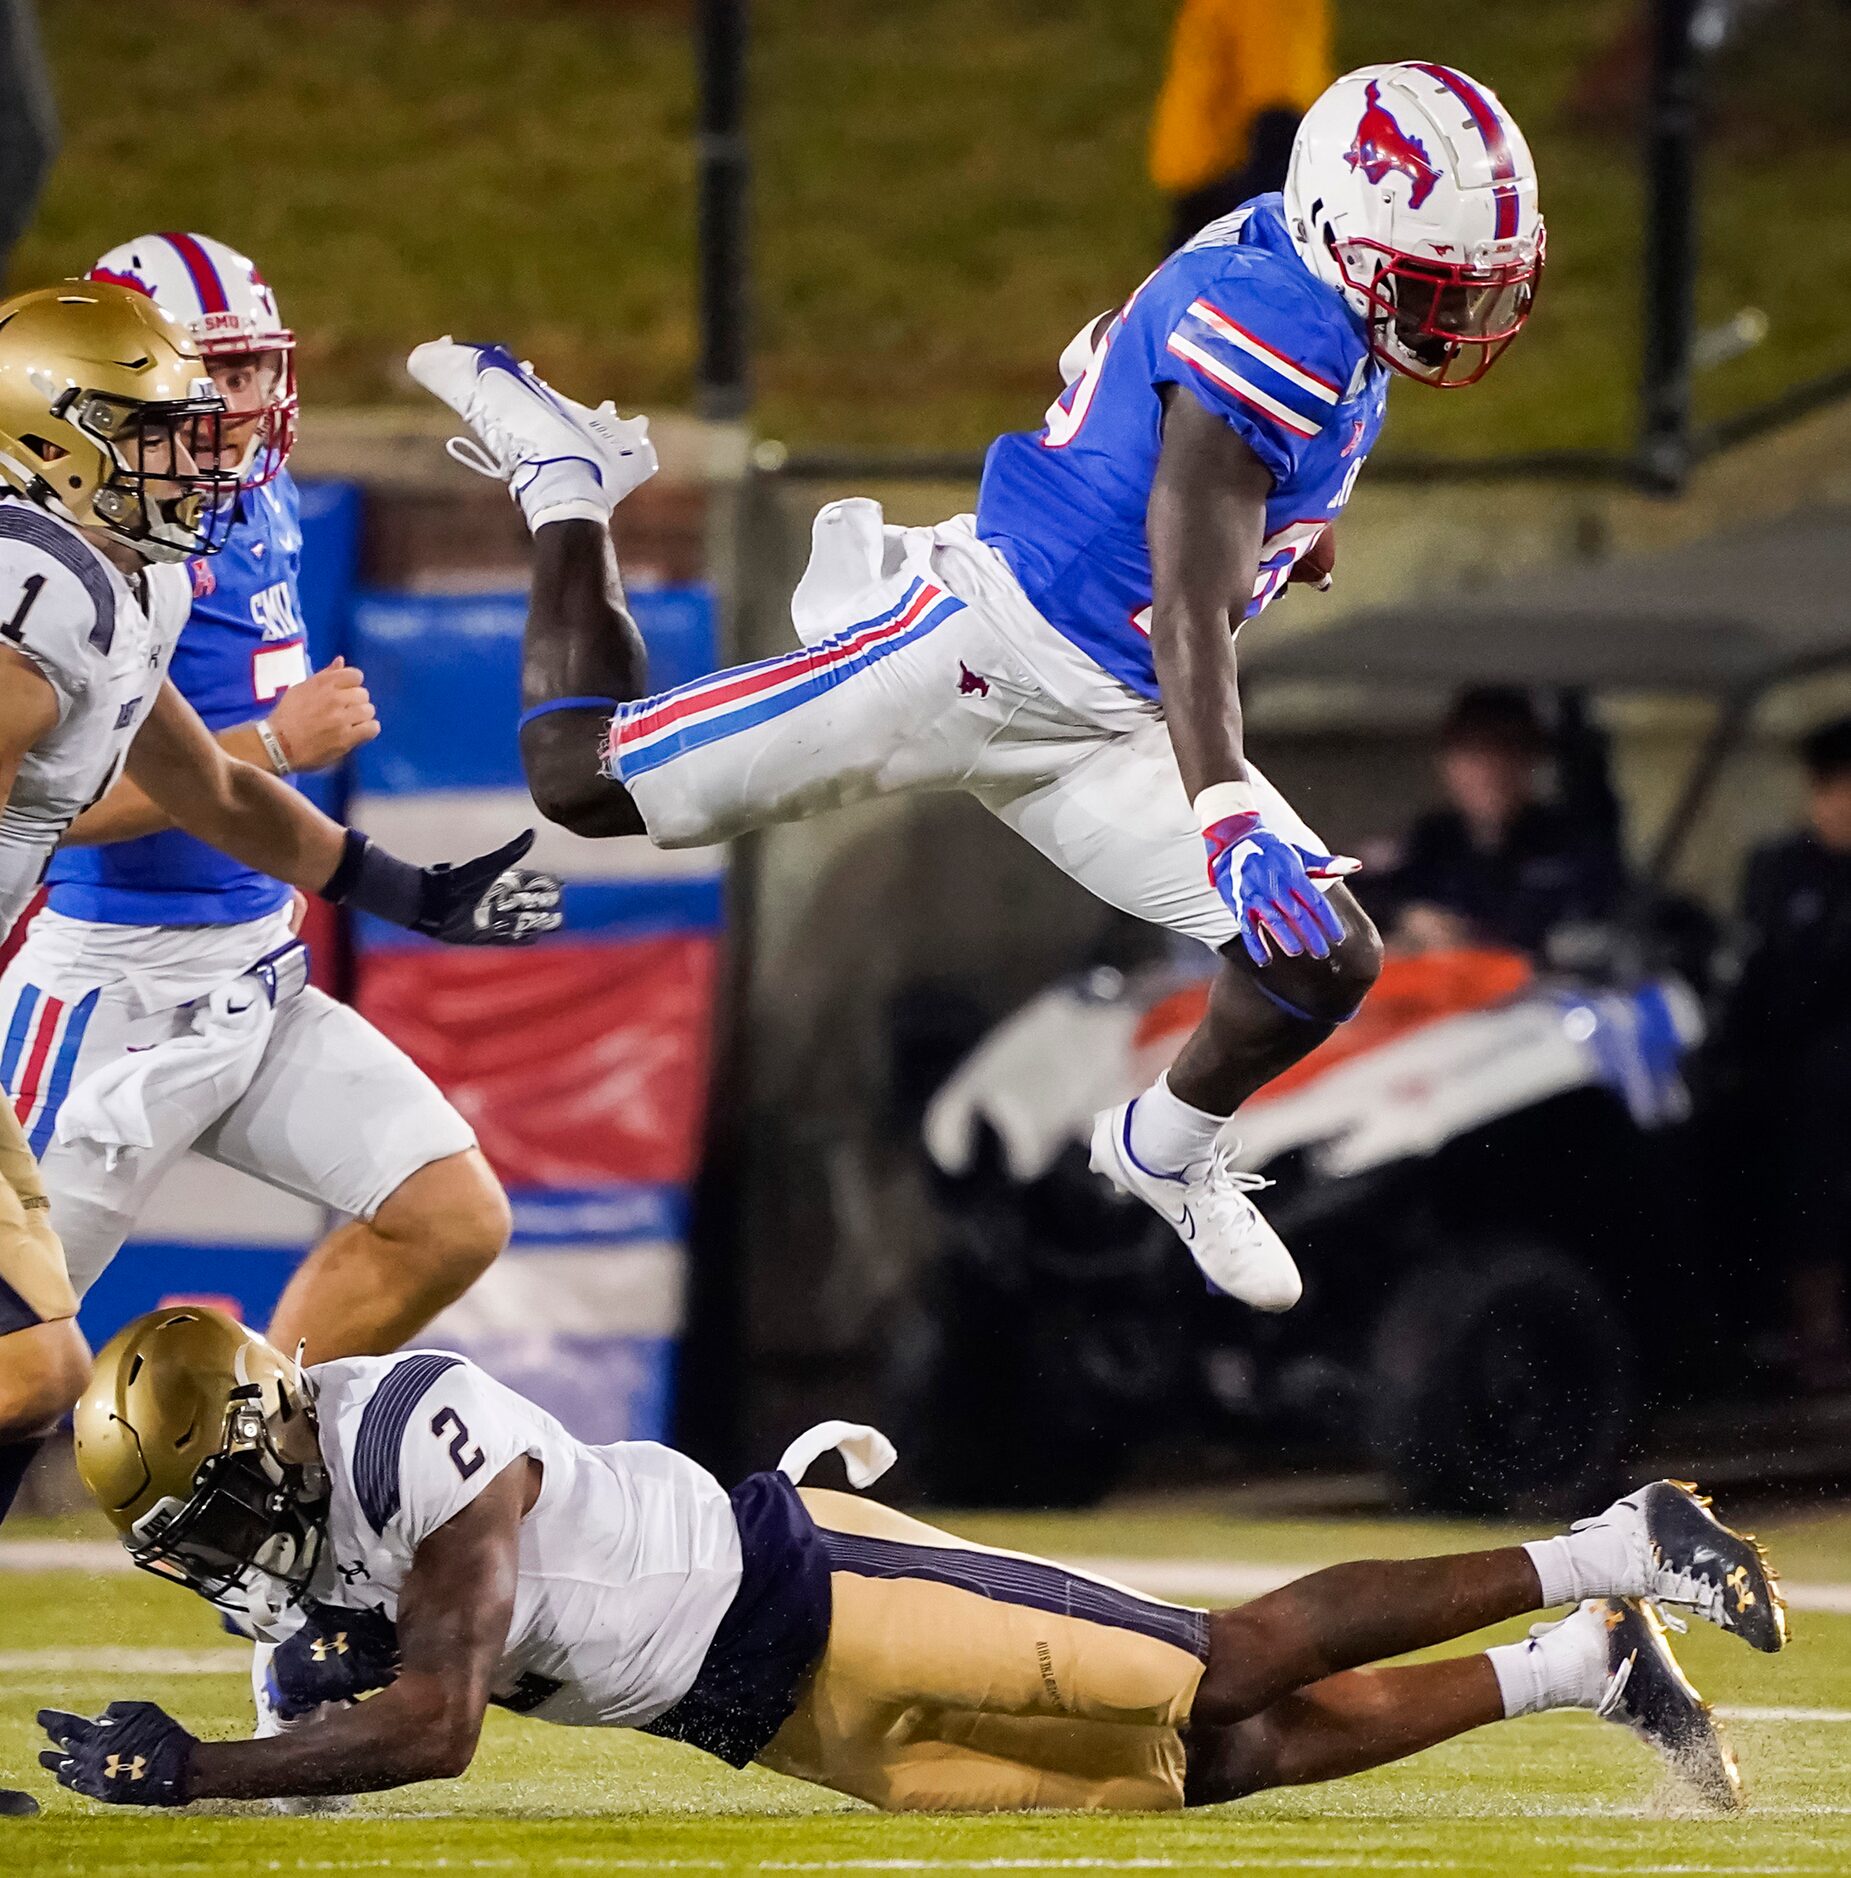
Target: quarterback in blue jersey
[1067,655]
[160,1003]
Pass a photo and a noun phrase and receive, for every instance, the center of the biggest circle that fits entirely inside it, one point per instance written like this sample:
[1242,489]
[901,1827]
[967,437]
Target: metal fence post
[722,157]
[1671,240]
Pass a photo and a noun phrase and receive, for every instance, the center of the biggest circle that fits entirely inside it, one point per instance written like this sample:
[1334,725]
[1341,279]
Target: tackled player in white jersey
[448,1545]
[111,475]
[1067,655]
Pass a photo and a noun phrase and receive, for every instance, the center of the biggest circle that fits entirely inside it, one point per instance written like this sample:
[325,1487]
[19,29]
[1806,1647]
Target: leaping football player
[1067,655]
[451,1546]
[114,474]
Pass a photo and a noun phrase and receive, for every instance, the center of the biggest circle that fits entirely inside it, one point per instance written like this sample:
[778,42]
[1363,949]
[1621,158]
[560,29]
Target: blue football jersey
[1237,320]
[243,646]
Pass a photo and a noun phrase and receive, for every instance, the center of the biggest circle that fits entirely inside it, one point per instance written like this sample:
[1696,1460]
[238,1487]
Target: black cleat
[17,1805]
[1648,1693]
[1689,1557]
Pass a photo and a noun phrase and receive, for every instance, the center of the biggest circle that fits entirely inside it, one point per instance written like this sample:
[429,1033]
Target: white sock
[564,489]
[1597,1562]
[1564,1667]
[1168,1135]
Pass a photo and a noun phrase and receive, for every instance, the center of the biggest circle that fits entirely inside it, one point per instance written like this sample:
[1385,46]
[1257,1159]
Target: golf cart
[1510,1214]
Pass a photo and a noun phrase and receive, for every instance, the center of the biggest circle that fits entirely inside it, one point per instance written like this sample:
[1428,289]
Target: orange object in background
[1412,993]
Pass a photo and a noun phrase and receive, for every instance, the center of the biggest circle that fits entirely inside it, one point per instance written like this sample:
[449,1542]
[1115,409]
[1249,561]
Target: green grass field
[1548,1795]
[944,190]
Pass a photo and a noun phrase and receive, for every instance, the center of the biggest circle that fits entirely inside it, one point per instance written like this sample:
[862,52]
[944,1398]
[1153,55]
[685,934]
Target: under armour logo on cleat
[116,1768]
[971,684]
[1737,1582]
[324,1647]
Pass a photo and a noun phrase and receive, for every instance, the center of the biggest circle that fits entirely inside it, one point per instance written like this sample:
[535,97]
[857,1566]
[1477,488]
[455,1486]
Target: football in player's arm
[421,1536]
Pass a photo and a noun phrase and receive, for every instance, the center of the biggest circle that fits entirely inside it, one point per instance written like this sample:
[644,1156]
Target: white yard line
[1223,1580]
[1218,1579]
[63,1555]
[102,1661]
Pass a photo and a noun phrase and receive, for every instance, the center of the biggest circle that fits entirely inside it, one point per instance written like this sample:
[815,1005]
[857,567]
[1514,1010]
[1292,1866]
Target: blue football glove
[336,1656]
[133,1754]
[1267,882]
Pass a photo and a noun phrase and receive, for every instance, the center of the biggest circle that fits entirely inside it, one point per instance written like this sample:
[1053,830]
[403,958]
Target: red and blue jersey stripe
[43,1042]
[654,731]
[1260,377]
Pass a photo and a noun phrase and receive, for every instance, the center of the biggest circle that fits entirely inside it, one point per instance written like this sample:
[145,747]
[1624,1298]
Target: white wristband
[273,749]
[1220,802]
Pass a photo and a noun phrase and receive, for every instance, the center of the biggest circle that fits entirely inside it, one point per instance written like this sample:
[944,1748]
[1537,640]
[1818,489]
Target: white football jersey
[103,643]
[628,1560]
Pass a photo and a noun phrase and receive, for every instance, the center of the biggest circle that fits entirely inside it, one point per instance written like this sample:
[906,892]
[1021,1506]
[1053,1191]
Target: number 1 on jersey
[15,628]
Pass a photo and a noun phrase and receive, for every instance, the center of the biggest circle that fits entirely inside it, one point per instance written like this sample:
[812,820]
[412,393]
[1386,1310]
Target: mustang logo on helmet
[1382,145]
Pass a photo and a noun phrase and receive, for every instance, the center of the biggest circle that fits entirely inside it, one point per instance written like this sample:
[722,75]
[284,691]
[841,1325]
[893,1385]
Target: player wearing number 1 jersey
[155,950]
[1067,655]
[118,469]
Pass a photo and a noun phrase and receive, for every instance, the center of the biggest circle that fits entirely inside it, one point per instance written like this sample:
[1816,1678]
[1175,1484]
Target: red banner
[576,1064]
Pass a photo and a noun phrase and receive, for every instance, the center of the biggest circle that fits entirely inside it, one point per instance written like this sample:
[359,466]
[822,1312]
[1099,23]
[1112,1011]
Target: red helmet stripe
[1497,145]
[204,276]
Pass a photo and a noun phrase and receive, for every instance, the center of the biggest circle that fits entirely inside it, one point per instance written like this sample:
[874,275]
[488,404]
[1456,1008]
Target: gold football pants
[959,1678]
[34,1285]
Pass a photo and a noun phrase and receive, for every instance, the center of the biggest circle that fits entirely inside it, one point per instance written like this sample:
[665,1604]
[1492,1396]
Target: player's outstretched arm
[454,1613]
[1206,522]
[582,656]
[1206,526]
[259,820]
[314,725]
[453,1619]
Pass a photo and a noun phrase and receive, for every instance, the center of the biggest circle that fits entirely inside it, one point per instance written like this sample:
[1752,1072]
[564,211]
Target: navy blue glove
[133,1754]
[336,1656]
[485,902]
[1267,883]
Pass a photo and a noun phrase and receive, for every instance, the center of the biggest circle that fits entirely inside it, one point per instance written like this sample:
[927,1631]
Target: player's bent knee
[43,1370]
[1359,958]
[452,1212]
[1230,1763]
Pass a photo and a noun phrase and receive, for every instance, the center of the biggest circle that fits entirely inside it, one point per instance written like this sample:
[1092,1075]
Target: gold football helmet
[107,415]
[177,1439]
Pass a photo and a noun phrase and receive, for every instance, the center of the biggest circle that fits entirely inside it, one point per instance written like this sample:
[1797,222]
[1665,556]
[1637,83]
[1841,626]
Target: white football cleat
[1682,1554]
[1209,1205]
[559,459]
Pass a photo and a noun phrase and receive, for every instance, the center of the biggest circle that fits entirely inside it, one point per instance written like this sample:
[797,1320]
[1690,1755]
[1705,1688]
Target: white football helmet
[222,300]
[1413,193]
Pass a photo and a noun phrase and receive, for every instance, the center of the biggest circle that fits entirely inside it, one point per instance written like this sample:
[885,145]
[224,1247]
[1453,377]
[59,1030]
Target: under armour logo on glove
[133,1754]
[1268,885]
[335,1656]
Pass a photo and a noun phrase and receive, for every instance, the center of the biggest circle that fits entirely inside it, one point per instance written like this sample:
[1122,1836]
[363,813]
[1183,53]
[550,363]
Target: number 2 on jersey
[466,1463]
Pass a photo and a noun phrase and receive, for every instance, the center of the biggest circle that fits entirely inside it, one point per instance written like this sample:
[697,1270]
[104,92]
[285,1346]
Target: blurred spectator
[1502,866]
[1784,1046]
[28,123]
[1241,73]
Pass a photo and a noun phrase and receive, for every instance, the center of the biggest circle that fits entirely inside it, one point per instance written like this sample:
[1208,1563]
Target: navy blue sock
[15,1458]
